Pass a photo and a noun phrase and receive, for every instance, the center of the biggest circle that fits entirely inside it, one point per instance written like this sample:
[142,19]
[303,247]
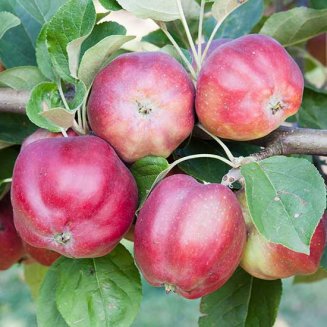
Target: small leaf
[47,313]
[97,57]
[286,198]
[21,78]
[296,25]
[222,8]
[75,19]
[34,275]
[110,4]
[145,171]
[160,10]
[59,117]
[99,292]
[323,261]
[242,301]
[8,21]
[317,276]
[171,50]
[44,97]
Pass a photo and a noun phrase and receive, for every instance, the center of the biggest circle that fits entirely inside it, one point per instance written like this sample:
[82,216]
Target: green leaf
[41,10]
[242,301]
[238,23]
[14,128]
[286,198]
[47,313]
[21,78]
[101,31]
[110,4]
[171,50]
[59,117]
[34,275]
[8,21]
[323,261]
[75,94]
[157,38]
[317,276]
[318,4]
[160,10]
[97,57]
[145,171]
[313,111]
[100,292]
[222,8]
[204,169]
[44,96]
[73,21]
[296,25]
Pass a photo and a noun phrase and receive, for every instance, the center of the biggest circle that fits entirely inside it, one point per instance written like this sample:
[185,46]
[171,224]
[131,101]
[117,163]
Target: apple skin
[41,133]
[72,195]
[142,104]
[43,256]
[189,236]
[11,246]
[247,88]
[267,260]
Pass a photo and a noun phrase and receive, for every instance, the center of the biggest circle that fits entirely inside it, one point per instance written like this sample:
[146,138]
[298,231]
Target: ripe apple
[247,88]
[189,237]
[43,256]
[11,247]
[41,133]
[142,104]
[72,195]
[266,260]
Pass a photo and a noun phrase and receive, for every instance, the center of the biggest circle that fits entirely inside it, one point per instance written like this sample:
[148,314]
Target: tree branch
[13,101]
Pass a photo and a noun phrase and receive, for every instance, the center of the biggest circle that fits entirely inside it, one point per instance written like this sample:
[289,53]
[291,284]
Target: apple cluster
[75,196]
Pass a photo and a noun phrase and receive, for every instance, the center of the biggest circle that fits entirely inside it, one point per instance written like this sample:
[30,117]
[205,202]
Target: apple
[189,237]
[72,195]
[142,104]
[317,47]
[11,247]
[43,256]
[41,133]
[247,88]
[266,260]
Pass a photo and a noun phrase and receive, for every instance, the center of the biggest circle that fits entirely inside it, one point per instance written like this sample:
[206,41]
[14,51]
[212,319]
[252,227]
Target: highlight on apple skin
[266,260]
[247,88]
[142,104]
[189,237]
[72,195]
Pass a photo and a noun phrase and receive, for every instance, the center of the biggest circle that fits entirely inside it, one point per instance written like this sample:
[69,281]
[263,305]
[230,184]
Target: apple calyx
[63,238]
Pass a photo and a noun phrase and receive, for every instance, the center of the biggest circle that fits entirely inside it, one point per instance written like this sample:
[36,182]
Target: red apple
[247,88]
[189,237]
[142,104]
[266,260]
[11,247]
[43,256]
[72,195]
[41,133]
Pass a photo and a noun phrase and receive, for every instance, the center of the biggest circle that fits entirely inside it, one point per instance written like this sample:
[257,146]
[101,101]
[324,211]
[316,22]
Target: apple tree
[204,146]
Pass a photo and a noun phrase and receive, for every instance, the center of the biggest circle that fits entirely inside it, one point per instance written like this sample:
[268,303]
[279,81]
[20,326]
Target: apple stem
[210,40]
[6,180]
[163,27]
[188,33]
[63,132]
[220,142]
[200,33]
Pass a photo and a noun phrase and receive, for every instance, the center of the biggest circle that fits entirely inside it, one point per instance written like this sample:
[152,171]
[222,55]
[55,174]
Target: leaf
[323,261]
[59,117]
[34,275]
[313,110]
[222,8]
[75,94]
[97,57]
[238,23]
[204,169]
[47,313]
[74,20]
[242,301]
[99,32]
[171,50]
[317,276]
[44,96]
[286,198]
[145,171]
[14,128]
[318,4]
[110,4]
[296,25]
[100,292]
[41,10]
[21,78]
[8,21]
[160,10]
